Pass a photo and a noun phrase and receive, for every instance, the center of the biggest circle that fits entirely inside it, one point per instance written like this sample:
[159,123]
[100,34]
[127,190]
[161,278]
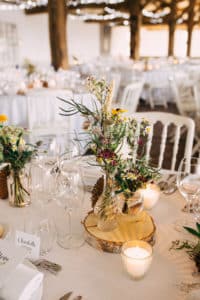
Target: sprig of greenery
[193,231]
[192,248]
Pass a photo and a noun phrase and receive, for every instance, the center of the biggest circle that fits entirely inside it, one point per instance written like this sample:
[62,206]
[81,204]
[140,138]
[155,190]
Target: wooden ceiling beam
[115,21]
[36,10]
[181,9]
[117,6]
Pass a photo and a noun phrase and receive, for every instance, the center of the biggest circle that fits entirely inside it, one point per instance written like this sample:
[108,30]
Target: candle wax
[136,252]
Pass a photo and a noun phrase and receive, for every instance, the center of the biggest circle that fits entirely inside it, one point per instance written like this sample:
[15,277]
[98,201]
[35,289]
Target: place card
[29,241]
[10,257]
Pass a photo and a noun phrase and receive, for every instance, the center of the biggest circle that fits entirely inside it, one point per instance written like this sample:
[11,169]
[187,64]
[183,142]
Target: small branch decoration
[192,248]
[68,295]
[107,131]
[47,265]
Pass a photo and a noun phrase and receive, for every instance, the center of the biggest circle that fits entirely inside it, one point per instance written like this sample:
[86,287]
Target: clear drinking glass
[42,226]
[188,183]
[188,180]
[70,196]
[43,183]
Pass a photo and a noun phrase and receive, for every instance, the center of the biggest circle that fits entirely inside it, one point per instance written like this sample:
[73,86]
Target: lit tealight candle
[137,258]
[51,83]
[151,195]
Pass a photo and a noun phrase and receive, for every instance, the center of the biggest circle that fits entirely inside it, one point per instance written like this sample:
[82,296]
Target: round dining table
[96,275]
[36,108]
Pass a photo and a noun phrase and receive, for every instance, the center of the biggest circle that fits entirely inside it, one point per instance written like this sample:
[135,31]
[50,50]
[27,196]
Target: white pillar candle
[151,195]
[137,258]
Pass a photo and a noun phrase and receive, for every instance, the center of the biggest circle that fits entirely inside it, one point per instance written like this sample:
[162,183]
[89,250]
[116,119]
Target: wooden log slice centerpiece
[138,227]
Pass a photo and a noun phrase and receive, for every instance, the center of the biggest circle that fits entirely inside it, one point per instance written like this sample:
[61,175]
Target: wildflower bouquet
[16,154]
[107,133]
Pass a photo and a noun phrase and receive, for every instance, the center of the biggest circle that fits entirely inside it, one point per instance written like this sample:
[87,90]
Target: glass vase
[106,207]
[19,187]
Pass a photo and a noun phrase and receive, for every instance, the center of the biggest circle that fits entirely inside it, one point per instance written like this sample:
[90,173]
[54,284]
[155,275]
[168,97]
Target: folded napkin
[25,283]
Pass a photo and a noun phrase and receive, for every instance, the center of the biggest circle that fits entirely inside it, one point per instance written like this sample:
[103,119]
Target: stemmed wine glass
[196,207]
[188,183]
[70,196]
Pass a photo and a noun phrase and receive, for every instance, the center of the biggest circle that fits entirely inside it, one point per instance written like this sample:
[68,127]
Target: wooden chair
[157,87]
[185,97]
[166,119]
[131,96]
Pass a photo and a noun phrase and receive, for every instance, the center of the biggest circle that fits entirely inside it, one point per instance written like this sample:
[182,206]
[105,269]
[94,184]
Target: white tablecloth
[100,276]
[157,82]
[40,109]
[37,108]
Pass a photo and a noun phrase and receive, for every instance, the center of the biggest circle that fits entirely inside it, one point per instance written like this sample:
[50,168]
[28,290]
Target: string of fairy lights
[21,4]
[108,14]
[86,2]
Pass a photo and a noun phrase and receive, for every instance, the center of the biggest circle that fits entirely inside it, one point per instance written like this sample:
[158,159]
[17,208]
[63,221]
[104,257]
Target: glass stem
[69,222]
[189,202]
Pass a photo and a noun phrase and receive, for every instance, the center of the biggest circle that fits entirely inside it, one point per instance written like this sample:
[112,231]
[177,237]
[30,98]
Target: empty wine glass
[43,183]
[188,180]
[70,196]
[188,183]
[196,207]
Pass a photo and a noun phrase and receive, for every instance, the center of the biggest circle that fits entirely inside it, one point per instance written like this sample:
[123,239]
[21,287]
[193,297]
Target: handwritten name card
[29,241]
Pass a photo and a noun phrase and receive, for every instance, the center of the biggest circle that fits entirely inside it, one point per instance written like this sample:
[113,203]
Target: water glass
[43,183]
[43,227]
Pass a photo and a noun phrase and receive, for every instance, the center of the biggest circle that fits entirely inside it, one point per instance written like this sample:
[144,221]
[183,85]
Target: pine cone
[97,190]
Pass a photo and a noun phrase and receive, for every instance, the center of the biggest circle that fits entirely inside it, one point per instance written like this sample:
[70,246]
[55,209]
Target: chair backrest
[166,119]
[131,96]
[185,96]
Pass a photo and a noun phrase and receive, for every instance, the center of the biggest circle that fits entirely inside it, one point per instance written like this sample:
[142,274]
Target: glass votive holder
[137,257]
[151,195]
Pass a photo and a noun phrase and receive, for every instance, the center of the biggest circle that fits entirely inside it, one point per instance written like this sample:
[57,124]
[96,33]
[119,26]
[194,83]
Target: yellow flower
[3,118]
[118,111]
[148,129]
[131,176]
[99,160]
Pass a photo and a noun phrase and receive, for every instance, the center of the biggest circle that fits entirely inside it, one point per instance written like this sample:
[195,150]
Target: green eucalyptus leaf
[198,227]
[192,231]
